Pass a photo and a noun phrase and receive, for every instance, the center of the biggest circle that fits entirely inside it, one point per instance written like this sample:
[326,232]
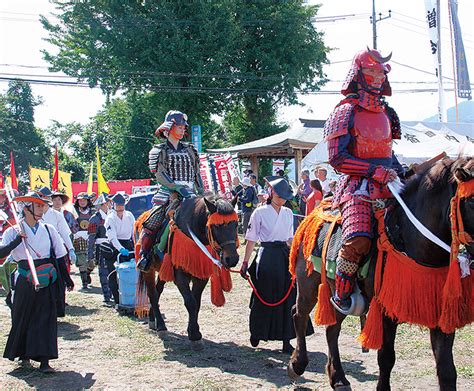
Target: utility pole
[374,21]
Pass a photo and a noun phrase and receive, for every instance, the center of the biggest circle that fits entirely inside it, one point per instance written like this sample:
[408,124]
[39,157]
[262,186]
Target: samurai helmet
[367,59]
[172,117]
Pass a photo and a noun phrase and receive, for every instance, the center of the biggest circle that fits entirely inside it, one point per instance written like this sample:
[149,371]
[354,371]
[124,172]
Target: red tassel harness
[415,294]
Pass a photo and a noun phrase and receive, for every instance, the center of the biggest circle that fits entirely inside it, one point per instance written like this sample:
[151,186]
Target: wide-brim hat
[45,191]
[64,197]
[102,199]
[280,186]
[32,196]
[120,199]
[83,196]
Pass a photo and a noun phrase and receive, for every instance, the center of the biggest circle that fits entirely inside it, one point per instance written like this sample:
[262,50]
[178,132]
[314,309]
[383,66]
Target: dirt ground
[100,349]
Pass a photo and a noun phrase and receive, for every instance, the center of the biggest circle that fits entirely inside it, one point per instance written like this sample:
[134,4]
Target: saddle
[335,243]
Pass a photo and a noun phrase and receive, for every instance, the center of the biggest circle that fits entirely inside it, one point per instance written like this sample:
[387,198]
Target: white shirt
[38,243]
[325,186]
[266,225]
[58,221]
[119,228]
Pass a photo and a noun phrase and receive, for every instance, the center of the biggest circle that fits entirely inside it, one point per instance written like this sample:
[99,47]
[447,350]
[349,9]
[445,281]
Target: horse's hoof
[197,345]
[291,373]
[343,387]
[152,325]
[162,333]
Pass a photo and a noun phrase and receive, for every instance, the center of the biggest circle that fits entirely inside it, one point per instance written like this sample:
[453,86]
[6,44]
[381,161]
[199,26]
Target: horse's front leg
[197,289]
[337,377]
[386,355]
[442,346]
[182,281]
[160,322]
[305,301]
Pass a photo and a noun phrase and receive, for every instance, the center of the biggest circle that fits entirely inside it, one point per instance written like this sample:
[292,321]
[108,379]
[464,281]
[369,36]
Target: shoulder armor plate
[338,122]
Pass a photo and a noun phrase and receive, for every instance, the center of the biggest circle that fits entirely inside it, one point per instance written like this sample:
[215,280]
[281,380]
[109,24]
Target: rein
[218,219]
[266,303]
[459,235]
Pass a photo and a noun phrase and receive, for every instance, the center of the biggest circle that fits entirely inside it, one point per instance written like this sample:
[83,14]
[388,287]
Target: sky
[404,34]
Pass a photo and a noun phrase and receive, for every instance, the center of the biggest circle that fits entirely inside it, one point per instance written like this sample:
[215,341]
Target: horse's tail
[142,303]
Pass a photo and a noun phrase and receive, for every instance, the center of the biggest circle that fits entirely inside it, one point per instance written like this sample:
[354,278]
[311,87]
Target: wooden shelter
[295,143]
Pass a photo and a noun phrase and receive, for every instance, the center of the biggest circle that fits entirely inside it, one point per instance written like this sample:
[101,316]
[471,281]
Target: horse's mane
[434,179]
[224,207]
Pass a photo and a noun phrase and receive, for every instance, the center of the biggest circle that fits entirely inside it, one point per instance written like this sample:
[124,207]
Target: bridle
[215,219]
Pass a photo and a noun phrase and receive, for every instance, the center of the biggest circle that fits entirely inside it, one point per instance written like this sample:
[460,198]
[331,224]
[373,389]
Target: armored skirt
[34,331]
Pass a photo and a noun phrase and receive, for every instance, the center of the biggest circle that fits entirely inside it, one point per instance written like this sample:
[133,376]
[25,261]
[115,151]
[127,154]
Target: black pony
[428,196]
[193,214]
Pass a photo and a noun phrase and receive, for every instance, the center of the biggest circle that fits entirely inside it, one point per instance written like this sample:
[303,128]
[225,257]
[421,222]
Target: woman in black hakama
[272,226]
[33,335]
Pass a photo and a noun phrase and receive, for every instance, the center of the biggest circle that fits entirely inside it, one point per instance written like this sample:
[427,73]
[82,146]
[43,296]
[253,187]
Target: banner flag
[225,182]
[14,182]
[101,183]
[433,19]
[91,179]
[205,171]
[38,178]
[231,167]
[2,181]
[213,175]
[65,184]
[462,73]
[54,183]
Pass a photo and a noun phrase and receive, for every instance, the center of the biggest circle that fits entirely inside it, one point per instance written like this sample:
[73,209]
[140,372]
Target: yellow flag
[64,183]
[38,178]
[91,179]
[101,183]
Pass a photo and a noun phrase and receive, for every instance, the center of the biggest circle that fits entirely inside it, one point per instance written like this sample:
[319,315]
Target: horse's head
[222,230]
[464,176]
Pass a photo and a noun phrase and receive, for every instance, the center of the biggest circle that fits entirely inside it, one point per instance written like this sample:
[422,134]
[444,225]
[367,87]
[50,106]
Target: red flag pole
[13,173]
[55,182]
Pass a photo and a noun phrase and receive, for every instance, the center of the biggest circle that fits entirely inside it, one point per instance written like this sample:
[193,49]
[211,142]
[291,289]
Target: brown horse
[428,196]
[193,214]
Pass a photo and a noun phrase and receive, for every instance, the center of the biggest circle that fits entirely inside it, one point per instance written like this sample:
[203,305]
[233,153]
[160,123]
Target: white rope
[395,187]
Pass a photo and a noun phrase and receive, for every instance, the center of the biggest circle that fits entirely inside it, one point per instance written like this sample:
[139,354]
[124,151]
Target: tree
[200,56]
[18,132]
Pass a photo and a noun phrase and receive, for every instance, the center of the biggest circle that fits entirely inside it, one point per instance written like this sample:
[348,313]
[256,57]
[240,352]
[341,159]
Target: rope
[287,294]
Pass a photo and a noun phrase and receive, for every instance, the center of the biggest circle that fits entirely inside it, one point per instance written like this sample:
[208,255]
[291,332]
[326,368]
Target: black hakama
[34,331]
[272,283]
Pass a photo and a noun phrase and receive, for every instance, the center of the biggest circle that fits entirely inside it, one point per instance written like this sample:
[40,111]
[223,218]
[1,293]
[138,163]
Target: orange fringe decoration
[305,237]
[186,255]
[307,233]
[325,314]
[219,219]
[137,229]
[411,293]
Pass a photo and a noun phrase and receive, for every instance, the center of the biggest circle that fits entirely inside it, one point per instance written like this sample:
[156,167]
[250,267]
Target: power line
[423,21]
[227,91]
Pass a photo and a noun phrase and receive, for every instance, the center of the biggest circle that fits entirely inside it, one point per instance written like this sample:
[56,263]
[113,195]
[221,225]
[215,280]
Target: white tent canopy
[419,142]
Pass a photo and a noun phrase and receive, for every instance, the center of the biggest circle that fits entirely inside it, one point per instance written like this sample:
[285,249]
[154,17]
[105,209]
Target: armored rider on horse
[176,167]
[359,133]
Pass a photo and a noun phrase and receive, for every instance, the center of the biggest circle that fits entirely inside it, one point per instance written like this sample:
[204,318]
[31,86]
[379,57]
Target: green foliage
[18,132]
[237,57]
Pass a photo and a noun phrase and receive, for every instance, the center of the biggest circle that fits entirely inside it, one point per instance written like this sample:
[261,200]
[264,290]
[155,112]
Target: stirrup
[144,263]
[358,305]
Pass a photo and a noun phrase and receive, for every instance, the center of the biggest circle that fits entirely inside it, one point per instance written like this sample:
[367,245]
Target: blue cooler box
[128,278]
